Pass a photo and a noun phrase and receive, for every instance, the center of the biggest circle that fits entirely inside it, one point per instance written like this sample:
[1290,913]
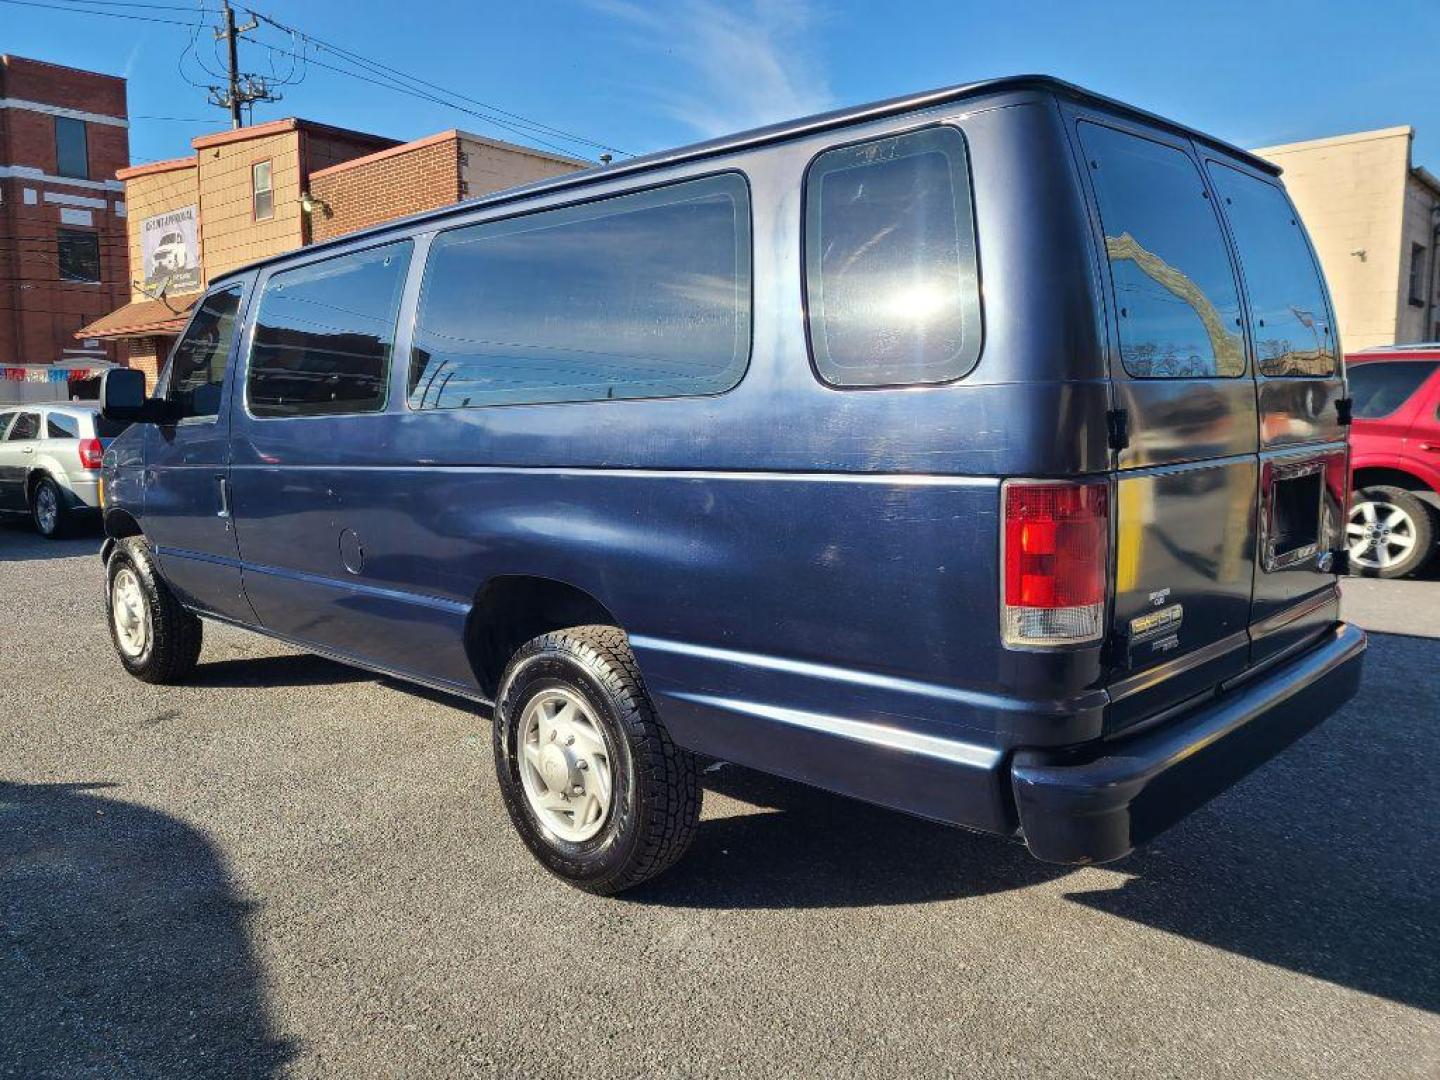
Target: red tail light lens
[1055,557]
[91,453]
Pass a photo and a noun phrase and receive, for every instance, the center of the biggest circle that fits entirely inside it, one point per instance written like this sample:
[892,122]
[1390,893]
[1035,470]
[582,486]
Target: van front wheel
[156,639]
[596,788]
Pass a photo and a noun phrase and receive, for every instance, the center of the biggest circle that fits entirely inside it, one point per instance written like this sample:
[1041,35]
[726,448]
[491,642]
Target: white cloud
[752,63]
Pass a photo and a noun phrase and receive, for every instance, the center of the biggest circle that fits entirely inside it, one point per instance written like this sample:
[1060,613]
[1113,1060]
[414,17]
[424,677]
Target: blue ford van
[981,454]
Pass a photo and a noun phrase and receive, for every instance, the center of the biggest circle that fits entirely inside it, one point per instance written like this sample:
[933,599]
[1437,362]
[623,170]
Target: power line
[392,72]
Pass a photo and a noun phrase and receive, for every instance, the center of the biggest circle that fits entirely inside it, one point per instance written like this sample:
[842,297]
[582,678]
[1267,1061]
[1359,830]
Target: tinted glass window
[72,156]
[1378,389]
[197,366]
[105,428]
[1290,322]
[59,426]
[324,335]
[1178,304]
[890,271]
[643,295]
[26,426]
[79,255]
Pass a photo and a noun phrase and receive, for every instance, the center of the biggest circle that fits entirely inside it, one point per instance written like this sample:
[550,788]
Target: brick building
[63,135]
[262,190]
[422,175]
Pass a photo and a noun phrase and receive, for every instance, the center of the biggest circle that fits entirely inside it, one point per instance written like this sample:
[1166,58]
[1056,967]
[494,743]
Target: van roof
[780,132]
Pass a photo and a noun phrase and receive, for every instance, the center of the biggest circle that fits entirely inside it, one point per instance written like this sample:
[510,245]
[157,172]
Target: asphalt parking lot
[293,868]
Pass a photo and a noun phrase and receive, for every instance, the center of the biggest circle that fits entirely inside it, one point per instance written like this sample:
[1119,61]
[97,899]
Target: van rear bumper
[1098,804]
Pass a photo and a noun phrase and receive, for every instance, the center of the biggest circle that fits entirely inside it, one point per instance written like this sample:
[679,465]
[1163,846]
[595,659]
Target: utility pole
[242,89]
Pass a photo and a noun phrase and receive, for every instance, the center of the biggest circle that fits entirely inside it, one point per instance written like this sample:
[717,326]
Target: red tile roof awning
[141,319]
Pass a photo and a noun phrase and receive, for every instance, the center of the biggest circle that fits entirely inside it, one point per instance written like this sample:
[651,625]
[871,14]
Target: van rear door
[1184,423]
[1304,464]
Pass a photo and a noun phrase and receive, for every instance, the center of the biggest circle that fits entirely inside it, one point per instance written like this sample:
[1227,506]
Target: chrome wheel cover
[1379,535]
[565,765]
[130,613]
[47,508]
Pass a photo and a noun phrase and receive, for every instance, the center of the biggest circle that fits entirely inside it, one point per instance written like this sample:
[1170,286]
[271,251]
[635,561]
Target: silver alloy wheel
[1379,534]
[47,508]
[130,613]
[565,765]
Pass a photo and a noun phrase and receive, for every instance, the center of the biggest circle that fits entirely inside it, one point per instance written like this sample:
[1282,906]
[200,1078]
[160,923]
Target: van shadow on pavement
[123,947]
[1326,861]
[19,542]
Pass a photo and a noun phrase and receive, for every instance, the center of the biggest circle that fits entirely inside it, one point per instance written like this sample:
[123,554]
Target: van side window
[197,366]
[638,296]
[324,335]
[890,273]
[1179,307]
[1289,319]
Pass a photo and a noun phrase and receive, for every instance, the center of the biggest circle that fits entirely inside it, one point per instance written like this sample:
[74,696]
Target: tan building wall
[231,236]
[157,188]
[1363,205]
[490,165]
[423,175]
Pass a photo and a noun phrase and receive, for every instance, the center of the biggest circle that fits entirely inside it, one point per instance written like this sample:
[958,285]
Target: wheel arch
[511,609]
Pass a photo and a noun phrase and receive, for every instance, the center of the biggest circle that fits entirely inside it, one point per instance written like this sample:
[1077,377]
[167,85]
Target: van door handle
[27,449]
[224,484]
[1432,447]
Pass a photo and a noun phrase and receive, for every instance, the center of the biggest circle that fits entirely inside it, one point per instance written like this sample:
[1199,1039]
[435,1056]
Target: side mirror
[122,398]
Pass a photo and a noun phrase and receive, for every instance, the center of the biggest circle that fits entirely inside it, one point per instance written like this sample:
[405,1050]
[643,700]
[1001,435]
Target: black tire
[1389,504]
[655,801]
[59,526]
[173,644]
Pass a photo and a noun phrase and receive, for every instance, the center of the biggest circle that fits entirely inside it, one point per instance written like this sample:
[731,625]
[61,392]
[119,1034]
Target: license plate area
[1292,520]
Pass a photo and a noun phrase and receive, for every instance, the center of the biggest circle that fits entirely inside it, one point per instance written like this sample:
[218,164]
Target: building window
[79,255]
[260,183]
[72,154]
[1417,275]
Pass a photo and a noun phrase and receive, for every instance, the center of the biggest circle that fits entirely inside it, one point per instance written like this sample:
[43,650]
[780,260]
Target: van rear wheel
[596,788]
[1389,533]
[156,639]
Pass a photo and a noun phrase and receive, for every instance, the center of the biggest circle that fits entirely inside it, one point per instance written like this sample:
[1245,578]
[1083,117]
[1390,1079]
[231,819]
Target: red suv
[1394,458]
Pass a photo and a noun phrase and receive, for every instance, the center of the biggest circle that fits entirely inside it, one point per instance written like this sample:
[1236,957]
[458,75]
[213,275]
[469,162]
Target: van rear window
[1179,307]
[891,280]
[1289,318]
[639,296]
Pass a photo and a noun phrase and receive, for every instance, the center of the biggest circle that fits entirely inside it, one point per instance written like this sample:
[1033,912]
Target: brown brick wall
[392,186]
[39,312]
[148,355]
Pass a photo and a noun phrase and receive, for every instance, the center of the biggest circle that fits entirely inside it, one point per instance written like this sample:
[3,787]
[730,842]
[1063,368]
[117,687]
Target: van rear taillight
[1054,555]
[91,453]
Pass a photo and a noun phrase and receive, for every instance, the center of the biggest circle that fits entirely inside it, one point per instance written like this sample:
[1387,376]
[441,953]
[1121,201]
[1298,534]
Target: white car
[50,462]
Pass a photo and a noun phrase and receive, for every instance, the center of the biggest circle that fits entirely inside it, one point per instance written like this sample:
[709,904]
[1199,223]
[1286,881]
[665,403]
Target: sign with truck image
[170,251]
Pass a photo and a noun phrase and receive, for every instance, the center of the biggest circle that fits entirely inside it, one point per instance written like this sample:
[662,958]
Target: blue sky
[642,76]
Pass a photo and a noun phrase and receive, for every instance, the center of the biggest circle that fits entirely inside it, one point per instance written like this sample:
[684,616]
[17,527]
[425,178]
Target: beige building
[1373,217]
